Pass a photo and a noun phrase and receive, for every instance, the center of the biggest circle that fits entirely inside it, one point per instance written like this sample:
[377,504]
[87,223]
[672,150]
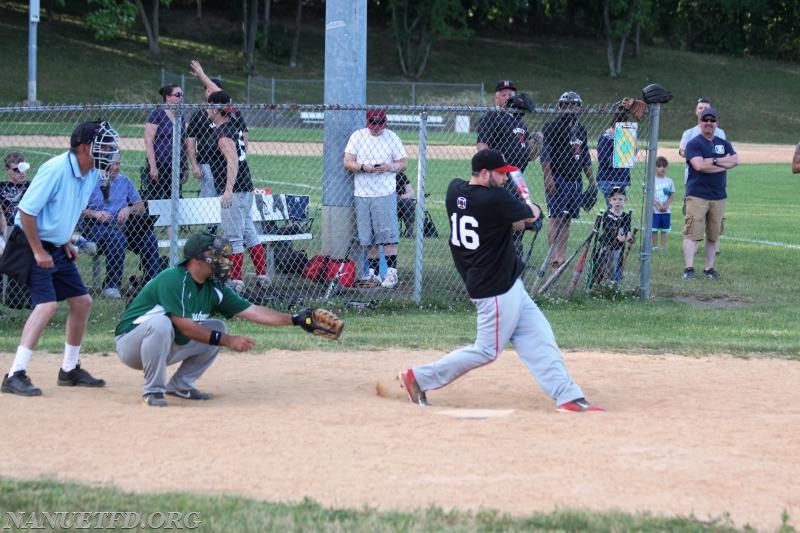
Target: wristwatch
[714,162]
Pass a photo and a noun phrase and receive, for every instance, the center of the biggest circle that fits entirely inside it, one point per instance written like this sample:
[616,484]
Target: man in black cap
[43,227]
[482,215]
[505,131]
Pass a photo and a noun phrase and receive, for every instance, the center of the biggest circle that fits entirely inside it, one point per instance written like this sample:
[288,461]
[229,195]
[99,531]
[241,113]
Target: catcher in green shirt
[169,321]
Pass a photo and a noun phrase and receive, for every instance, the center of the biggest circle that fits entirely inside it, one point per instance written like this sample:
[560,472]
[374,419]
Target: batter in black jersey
[482,214]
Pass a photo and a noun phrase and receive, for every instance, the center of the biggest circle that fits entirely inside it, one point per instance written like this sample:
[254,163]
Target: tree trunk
[152,37]
[156,45]
[265,27]
[298,19]
[251,25]
[637,35]
[199,9]
[612,70]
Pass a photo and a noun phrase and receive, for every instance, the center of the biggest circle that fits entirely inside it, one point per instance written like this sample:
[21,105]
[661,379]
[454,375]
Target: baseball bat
[560,270]
[576,274]
[528,255]
[543,267]
[625,255]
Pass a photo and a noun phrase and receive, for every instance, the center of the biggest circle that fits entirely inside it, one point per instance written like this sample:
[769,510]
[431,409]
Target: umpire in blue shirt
[43,226]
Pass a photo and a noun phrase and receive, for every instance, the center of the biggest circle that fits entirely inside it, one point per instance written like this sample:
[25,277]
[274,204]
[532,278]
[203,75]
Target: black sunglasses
[377,121]
[703,100]
[180,95]
[615,190]
[14,169]
[712,120]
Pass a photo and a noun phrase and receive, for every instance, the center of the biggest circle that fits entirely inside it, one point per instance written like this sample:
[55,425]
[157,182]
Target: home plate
[476,414]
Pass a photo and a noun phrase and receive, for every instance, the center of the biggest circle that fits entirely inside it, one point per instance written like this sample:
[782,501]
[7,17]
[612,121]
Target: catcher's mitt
[656,94]
[320,322]
[635,107]
[589,197]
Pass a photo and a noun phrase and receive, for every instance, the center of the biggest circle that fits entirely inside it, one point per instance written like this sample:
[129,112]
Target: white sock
[71,357]
[21,359]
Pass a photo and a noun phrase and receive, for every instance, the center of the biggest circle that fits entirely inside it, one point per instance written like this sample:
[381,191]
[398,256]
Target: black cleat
[19,383]
[77,377]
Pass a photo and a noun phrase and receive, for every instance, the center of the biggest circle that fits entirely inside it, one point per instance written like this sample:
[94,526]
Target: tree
[115,16]
[265,22]
[619,18]
[416,26]
[298,19]
[250,27]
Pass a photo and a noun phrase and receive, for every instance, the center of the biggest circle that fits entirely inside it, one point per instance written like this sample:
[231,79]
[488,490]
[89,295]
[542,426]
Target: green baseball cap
[197,244]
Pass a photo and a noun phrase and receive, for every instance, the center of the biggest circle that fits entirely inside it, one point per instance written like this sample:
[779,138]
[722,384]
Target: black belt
[49,246]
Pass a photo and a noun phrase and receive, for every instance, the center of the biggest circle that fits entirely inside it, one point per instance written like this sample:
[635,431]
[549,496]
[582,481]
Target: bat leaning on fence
[593,238]
[625,254]
[543,267]
[528,255]
[582,247]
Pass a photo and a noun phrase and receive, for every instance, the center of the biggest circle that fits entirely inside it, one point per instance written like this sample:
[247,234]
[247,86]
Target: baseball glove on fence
[320,322]
[635,107]
[589,197]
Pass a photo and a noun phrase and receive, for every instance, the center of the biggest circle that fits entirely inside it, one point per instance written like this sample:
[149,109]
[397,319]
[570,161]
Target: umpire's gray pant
[151,347]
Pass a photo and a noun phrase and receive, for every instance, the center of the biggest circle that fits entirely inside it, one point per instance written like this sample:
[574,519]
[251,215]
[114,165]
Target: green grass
[228,513]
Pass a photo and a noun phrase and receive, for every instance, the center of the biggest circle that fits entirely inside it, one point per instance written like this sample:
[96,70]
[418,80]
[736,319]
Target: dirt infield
[682,436]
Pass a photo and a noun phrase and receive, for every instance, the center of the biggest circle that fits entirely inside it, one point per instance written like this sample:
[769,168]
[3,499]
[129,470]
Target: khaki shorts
[704,219]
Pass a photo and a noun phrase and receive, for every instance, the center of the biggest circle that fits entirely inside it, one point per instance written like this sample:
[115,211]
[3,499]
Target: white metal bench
[434,121]
[203,212]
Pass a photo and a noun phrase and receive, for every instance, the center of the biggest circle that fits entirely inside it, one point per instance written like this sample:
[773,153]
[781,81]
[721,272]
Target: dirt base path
[682,436]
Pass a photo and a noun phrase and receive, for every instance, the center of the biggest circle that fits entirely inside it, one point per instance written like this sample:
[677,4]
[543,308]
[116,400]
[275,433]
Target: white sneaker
[236,284]
[87,247]
[390,281]
[371,277]
[112,293]
[262,280]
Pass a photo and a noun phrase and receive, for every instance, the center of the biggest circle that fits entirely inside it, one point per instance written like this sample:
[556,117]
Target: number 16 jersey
[481,236]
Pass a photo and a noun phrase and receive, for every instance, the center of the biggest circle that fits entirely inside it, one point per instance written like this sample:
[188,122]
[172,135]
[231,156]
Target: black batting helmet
[570,98]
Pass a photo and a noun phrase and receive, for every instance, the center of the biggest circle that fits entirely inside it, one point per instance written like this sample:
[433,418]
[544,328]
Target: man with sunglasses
[375,155]
[703,103]
[708,158]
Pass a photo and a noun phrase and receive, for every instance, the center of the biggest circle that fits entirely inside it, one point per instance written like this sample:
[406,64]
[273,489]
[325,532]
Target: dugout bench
[277,217]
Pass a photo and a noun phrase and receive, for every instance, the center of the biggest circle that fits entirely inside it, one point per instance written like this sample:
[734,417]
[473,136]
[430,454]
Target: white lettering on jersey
[462,232]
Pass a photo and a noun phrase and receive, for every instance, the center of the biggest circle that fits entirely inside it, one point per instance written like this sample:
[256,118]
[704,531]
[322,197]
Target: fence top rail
[587,109]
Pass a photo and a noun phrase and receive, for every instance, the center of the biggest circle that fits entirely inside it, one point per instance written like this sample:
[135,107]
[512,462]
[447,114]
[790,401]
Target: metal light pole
[345,83]
[33,20]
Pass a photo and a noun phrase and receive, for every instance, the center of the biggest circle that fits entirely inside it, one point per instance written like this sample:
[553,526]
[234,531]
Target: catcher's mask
[199,243]
[104,142]
[569,99]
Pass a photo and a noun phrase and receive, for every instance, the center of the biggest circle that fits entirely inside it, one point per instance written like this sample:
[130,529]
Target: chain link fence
[299,201]
[279,90]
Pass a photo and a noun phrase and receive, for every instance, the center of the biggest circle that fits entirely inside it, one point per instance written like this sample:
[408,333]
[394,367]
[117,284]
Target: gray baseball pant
[151,347]
[515,317]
